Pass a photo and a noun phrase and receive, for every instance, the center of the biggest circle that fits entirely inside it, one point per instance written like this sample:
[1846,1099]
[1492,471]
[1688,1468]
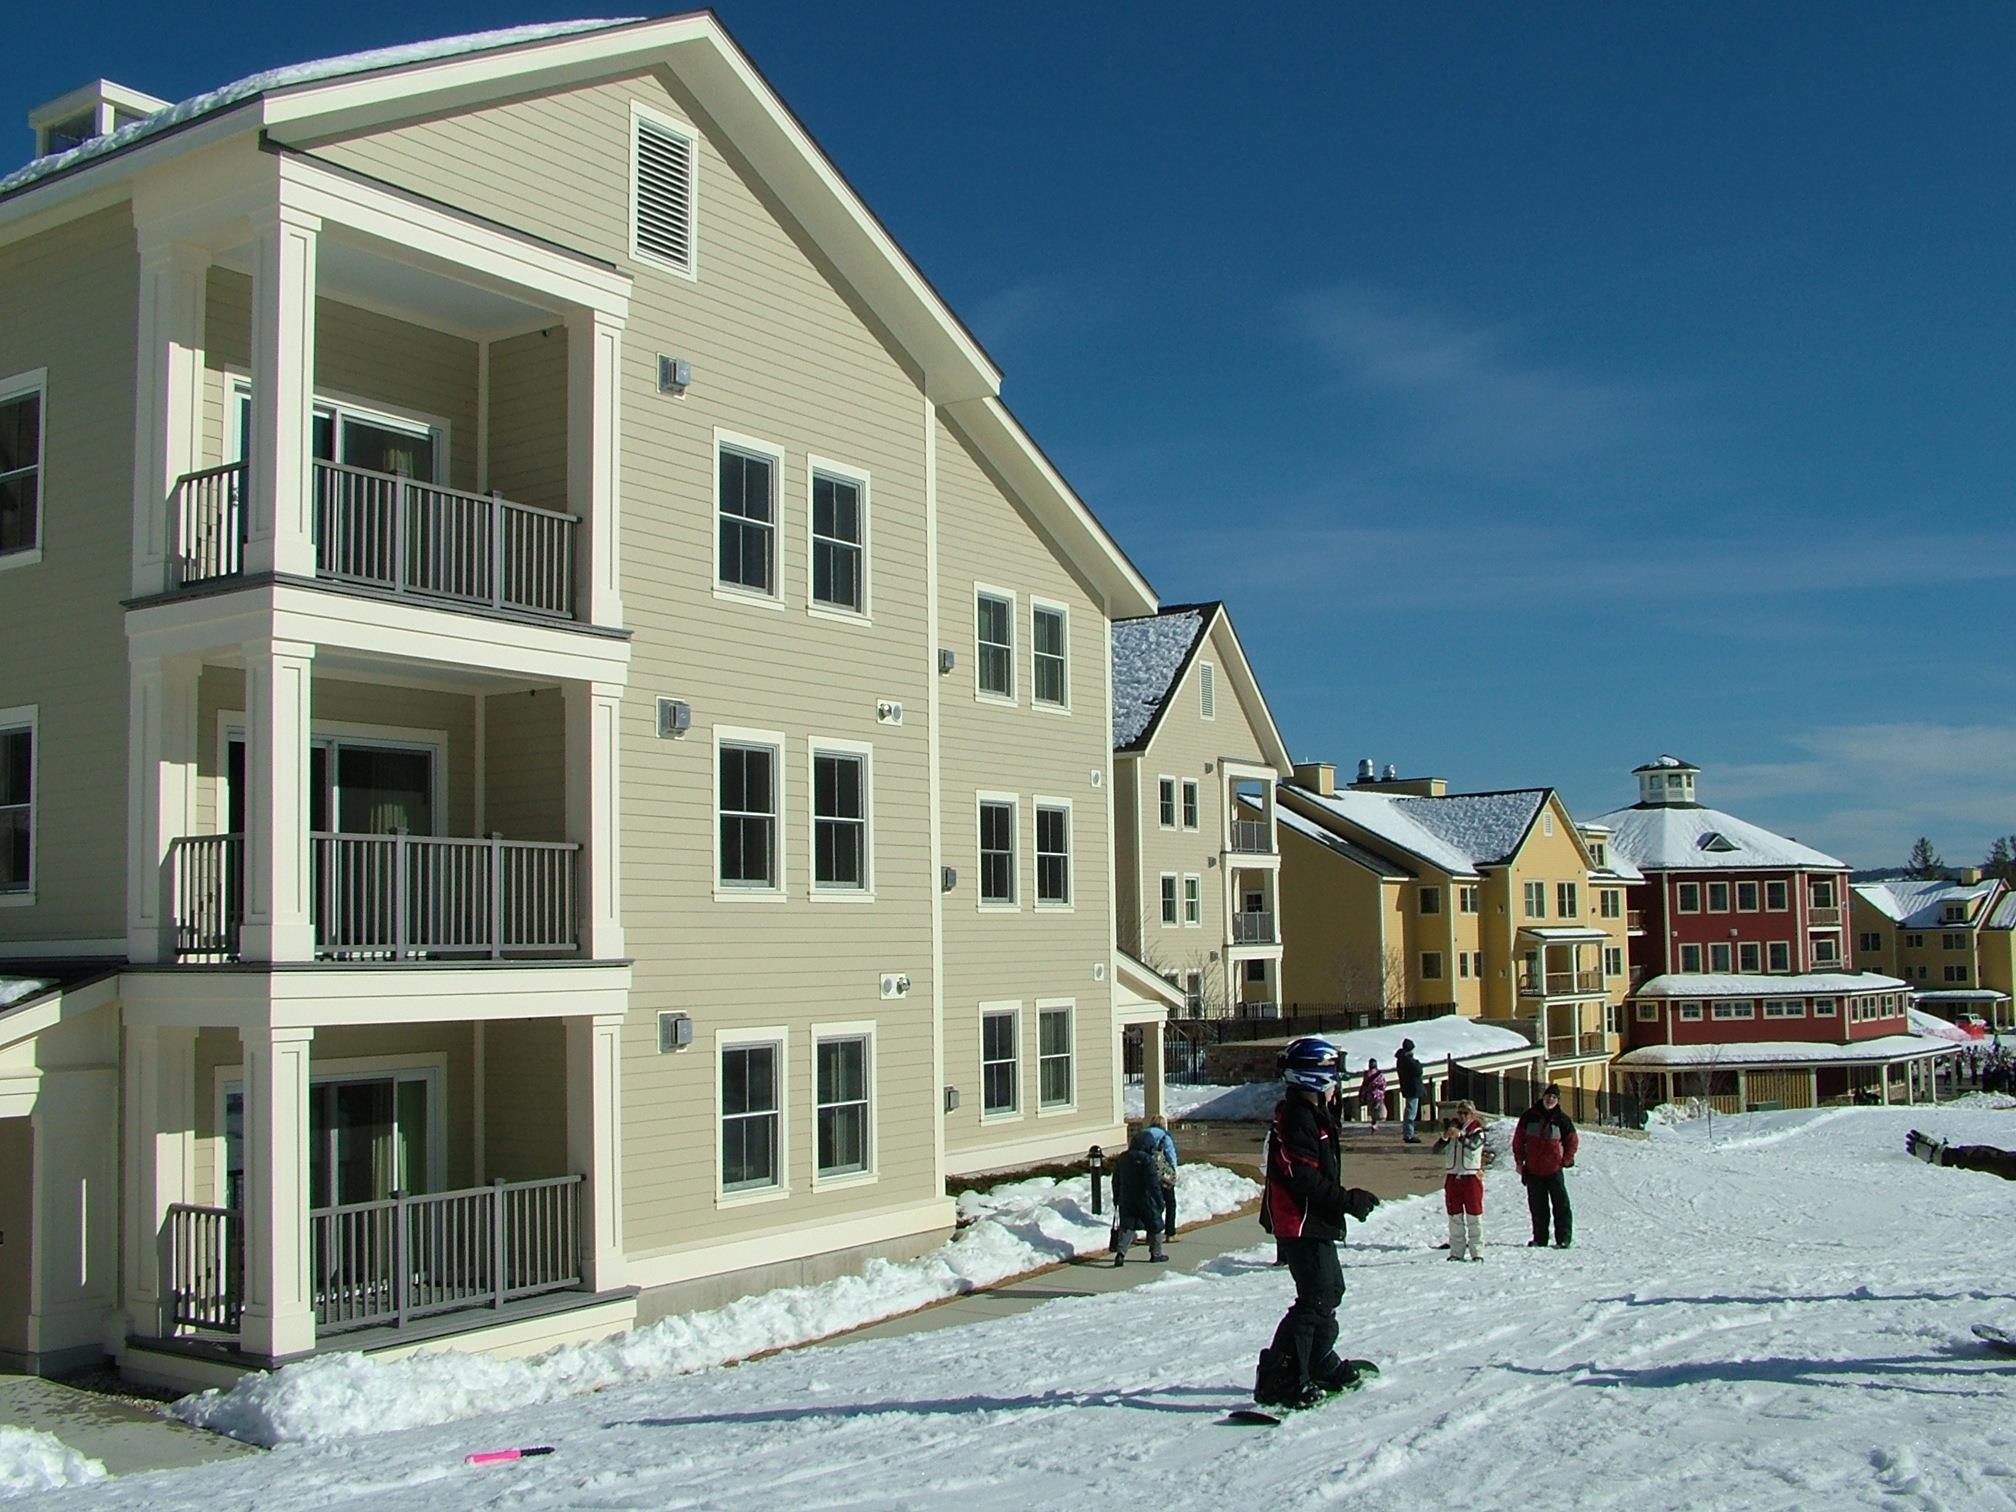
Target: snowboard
[1260,1417]
[1998,1339]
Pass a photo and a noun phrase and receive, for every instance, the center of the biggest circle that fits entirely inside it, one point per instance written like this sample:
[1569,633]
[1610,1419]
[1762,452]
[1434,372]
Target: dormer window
[1714,840]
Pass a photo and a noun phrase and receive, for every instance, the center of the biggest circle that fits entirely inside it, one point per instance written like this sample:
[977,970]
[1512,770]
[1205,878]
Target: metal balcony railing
[1823,918]
[1559,983]
[1569,1046]
[1250,837]
[1253,928]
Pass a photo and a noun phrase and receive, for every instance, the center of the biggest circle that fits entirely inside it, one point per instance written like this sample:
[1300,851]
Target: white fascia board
[392,631]
[46,1013]
[737,98]
[343,996]
[1056,506]
[1247,686]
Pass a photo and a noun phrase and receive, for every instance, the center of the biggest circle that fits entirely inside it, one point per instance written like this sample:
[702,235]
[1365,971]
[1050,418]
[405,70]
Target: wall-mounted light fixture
[675,374]
[951,1099]
[675,718]
[675,1032]
[947,659]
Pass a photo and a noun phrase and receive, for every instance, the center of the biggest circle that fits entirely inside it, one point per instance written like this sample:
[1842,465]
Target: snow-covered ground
[32,1461]
[1770,1314]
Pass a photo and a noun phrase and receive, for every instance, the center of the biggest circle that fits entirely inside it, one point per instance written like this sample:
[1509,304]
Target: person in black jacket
[1408,1067]
[1306,1203]
[1137,1198]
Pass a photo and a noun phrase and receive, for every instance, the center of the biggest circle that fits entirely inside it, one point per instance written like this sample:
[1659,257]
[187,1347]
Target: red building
[1743,984]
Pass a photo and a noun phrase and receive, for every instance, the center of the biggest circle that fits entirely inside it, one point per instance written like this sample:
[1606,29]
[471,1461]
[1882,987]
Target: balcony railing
[391,532]
[1634,918]
[392,897]
[1823,918]
[388,1262]
[1568,1046]
[1559,983]
[1253,928]
[1250,837]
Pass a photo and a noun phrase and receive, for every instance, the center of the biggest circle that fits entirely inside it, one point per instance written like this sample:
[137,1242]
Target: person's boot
[1335,1374]
[1458,1246]
[1473,1235]
[1273,1379]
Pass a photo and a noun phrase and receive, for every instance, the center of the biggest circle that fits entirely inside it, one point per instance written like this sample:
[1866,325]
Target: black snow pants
[1543,1192]
[1308,1331]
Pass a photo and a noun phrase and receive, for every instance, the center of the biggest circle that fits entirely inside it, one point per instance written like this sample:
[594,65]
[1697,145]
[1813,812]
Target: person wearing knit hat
[1408,1068]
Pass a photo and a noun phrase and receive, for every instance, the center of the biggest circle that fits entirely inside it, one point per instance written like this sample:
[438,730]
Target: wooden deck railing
[205,1284]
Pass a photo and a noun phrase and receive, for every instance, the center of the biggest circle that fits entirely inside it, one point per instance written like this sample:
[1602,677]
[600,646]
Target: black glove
[1359,1203]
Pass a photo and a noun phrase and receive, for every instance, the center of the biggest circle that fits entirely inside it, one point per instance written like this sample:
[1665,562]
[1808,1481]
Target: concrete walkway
[127,1435]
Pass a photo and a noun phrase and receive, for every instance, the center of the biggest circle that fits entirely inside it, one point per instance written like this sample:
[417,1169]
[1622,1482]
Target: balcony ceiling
[363,272]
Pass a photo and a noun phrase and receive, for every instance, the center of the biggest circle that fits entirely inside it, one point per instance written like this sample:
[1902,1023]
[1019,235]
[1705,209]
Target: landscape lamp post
[1096,1158]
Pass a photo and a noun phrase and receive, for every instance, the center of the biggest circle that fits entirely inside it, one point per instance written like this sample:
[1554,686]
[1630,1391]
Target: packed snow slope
[1777,1318]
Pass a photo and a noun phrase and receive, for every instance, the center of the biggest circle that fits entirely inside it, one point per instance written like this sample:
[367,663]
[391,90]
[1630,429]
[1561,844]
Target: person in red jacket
[1543,1146]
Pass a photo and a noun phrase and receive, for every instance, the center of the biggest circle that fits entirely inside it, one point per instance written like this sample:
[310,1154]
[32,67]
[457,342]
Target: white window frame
[833,892]
[27,717]
[1826,950]
[737,892]
[1784,1008]
[1756,902]
[1567,900]
[339,406]
[1731,1009]
[1777,955]
[1823,1008]
[1609,903]
[1750,957]
[1171,900]
[429,1068]
[1013,902]
[1784,903]
[1722,951]
[1166,810]
[1462,965]
[1466,899]
[1046,1007]
[767,451]
[1207,691]
[859,1029]
[1648,1013]
[1193,901]
[1690,1013]
[1193,804]
[1680,894]
[36,382]
[1813,888]
[1038,805]
[1012,1011]
[1036,700]
[815,468]
[1009,597]
[1715,889]
[726,1040]
[1532,894]
[691,268]
[1685,946]
[1613,960]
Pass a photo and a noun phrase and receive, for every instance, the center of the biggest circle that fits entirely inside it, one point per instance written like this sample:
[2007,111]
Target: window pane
[747,519]
[839,829]
[992,629]
[16,770]
[20,434]
[748,809]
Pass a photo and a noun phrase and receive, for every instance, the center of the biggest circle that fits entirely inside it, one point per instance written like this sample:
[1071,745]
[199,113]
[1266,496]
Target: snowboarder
[1307,1203]
[1544,1145]
[1989,1158]
[1137,1198]
[1462,1146]
[1166,1163]
[1408,1068]
[1372,1092]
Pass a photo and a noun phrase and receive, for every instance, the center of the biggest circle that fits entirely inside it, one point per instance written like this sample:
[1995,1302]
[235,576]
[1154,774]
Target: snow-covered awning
[1763,1054]
[1962,995]
[1713,984]
[1556,933]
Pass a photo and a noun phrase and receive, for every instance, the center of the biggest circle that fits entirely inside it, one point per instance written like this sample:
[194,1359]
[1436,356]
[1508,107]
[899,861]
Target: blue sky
[1544,386]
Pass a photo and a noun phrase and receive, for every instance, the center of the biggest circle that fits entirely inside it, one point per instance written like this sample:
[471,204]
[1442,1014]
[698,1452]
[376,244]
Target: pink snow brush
[499,1456]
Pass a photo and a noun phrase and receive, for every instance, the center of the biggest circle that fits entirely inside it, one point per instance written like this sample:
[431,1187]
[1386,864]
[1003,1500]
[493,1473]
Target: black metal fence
[1512,1095]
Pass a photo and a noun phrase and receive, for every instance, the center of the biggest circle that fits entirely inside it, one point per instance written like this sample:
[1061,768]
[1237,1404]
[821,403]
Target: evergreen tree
[2001,862]
[1925,863]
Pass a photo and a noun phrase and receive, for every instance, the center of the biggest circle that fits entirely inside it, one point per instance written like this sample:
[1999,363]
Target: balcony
[391,897]
[1253,928]
[1250,838]
[1575,1046]
[1559,983]
[1634,918]
[1823,918]
[385,531]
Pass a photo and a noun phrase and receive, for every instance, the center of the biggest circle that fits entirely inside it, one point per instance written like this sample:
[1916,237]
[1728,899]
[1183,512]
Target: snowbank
[32,1462]
[1007,1231]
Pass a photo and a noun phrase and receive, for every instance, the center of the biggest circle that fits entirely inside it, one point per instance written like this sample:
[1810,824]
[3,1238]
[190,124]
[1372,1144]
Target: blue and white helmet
[1312,1063]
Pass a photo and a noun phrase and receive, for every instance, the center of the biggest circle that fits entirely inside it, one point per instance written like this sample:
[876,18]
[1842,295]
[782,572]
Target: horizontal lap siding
[72,304]
[525,1099]
[780,355]
[1027,954]
[528,419]
[525,765]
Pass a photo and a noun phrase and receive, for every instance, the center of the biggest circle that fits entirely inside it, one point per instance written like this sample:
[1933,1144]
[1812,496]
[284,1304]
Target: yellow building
[1400,895]
[1953,940]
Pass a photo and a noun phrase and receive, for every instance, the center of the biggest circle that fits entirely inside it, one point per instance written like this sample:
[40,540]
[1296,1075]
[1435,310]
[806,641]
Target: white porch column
[279,1317]
[1151,1069]
[594,438]
[160,780]
[278,501]
[595,1142]
[594,760]
[168,409]
[160,1069]
[277,926]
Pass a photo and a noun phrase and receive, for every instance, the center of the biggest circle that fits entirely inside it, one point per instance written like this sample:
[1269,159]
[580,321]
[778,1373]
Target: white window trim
[737,735]
[753,446]
[1648,1013]
[817,746]
[372,411]
[34,381]
[232,724]
[814,466]
[1070,904]
[1679,891]
[1014,1011]
[738,1039]
[1685,946]
[1070,1007]
[1012,698]
[1175,900]
[1193,886]
[1063,611]
[1786,906]
[1189,786]
[1757,891]
[1175,802]
[642,112]
[28,717]
[1207,691]
[854,1029]
[432,1064]
[1708,903]
[1690,1013]
[1014,802]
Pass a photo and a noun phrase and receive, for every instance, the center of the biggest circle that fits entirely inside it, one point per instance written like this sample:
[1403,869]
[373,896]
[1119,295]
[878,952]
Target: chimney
[1970,876]
[1320,777]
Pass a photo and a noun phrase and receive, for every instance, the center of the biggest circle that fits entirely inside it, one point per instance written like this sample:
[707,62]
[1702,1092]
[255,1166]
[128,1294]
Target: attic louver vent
[664,194]
[1716,841]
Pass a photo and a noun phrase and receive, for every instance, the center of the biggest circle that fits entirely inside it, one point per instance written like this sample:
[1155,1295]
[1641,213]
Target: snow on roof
[1961,995]
[1458,832]
[1707,984]
[1376,864]
[1450,1037]
[1929,1026]
[253,85]
[1147,655]
[1664,762]
[2004,916]
[1916,903]
[1678,837]
[14,989]
[1727,1055]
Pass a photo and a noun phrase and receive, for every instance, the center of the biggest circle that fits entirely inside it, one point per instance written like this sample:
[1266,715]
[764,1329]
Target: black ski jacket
[1409,1067]
[1305,1195]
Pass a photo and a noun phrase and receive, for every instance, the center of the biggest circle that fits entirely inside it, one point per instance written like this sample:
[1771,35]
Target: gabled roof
[1918,904]
[1152,655]
[2004,916]
[1456,833]
[1372,861]
[1687,837]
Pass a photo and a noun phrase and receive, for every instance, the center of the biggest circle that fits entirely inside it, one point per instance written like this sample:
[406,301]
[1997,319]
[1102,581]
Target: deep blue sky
[1544,386]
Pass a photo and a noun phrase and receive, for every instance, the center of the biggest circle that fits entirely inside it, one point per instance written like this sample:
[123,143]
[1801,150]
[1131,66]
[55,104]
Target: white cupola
[98,109]
[1666,781]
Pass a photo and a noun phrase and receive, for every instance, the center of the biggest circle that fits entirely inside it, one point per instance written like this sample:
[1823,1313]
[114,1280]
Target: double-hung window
[1823,892]
[17,801]
[747,557]
[999,1090]
[1613,961]
[1466,899]
[1050,641]
[748,810]
[1776,897]
[839,821]
[1749,956]
[1165,802]
[1779,954]
[1718,956]
[1168,897]
[752,1117]
[1690,957]
[839,543]
[20,464]
[1567,905]
[1536,900]
[840,1107]
[997,851]
[1190,803]
[1053,855]
[994,640]
[1718,897]
[1610,903]
[1053,1055]
[1193,900]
